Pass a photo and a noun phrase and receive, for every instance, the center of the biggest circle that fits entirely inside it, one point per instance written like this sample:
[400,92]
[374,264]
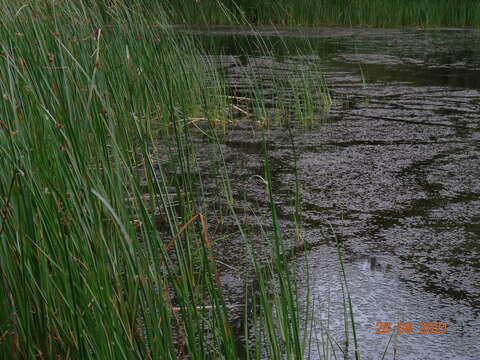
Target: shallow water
[393,175]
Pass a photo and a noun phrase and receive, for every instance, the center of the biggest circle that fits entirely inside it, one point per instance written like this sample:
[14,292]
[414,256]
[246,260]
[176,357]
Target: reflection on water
[395,174]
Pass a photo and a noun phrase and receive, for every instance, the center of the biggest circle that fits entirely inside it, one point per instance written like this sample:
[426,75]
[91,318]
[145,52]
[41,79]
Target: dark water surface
[394,174]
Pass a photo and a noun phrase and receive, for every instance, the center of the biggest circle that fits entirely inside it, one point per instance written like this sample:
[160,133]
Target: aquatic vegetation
[381,13]
[105,248]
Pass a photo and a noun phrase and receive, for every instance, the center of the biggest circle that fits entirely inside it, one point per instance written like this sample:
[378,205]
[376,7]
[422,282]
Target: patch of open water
[395,173]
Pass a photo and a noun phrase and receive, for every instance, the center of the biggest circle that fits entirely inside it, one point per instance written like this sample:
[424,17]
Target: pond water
[393,175]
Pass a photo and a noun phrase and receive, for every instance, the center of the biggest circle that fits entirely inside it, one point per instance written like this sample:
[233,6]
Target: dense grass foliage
[84,270]
[104,244]
[378,13]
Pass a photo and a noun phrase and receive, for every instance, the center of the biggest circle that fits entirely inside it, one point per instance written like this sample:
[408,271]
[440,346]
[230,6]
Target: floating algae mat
[393,176]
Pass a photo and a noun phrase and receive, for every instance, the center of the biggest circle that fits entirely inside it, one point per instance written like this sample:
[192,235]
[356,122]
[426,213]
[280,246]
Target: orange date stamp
[411,327]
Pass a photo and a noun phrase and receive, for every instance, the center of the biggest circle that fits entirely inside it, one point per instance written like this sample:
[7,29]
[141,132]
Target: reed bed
[375,13]
[105,250]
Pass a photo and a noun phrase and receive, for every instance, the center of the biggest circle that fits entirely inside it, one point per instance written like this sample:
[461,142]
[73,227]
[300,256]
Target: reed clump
[377,13]
[104,244]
